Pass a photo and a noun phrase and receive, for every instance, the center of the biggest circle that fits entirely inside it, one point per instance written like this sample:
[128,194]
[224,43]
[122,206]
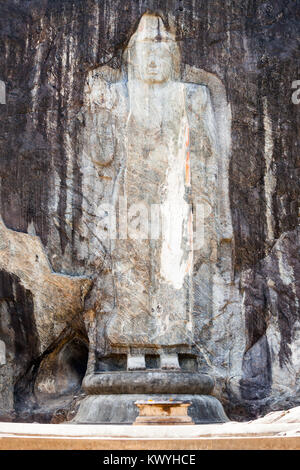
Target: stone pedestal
[113,395]
[148,381]
[122,409]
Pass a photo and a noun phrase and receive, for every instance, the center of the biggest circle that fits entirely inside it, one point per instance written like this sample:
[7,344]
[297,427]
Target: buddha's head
[152,52]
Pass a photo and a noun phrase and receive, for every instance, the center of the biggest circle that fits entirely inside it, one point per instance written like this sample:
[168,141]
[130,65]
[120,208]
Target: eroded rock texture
[44,349]
[248,339]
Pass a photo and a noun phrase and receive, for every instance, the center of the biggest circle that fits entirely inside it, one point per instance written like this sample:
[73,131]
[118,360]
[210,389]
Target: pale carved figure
[159,143]
[157,172]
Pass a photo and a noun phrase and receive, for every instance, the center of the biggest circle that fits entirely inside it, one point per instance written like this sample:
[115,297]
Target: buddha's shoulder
[197,92]
[105,88]
[105,78]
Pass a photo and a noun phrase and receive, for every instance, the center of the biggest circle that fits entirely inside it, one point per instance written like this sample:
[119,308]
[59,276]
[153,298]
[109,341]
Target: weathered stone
[165,145]
[246,298]
[136,362]
[169,361]
[40,312]
[149,381]
[165,150]
[99,409]
[57,298]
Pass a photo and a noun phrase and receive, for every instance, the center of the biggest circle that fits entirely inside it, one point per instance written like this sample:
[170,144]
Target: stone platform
[112,395]
[226,436]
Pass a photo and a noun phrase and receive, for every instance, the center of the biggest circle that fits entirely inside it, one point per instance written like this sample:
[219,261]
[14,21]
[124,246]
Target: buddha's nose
[152,64]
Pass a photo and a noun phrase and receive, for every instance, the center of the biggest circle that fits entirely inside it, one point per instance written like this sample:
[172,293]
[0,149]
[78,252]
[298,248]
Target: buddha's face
[152,61]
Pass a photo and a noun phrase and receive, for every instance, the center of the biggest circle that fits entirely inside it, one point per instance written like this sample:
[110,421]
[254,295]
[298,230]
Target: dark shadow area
[112,363]
[52,382]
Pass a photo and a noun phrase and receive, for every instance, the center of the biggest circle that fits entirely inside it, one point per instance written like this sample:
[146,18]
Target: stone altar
[162,413]
[163,162]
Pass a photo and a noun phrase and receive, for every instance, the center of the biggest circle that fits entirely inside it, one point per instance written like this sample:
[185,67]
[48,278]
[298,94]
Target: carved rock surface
[250,340]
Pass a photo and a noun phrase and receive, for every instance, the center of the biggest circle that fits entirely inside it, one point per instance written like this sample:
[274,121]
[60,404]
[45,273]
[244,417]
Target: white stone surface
[136,362]
[231,429]
[169,361]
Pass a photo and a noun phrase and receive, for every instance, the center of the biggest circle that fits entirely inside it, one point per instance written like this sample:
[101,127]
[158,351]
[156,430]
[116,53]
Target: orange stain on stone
[187,142]
[187,168]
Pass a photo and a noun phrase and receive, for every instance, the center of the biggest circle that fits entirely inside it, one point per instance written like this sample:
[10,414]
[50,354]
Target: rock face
[44,349]
[57,166]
